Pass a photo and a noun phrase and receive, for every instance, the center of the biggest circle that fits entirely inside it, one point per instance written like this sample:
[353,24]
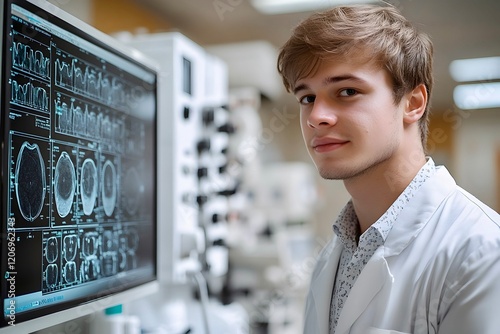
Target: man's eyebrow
[299,88]
[339,78]
[330,80]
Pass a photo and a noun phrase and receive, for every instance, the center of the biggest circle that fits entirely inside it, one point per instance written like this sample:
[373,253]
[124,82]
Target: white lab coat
[438,271]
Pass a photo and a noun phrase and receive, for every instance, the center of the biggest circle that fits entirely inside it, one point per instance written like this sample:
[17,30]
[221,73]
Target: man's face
[349,119]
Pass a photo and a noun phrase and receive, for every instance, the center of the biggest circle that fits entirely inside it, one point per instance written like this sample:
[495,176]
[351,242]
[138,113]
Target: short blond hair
[380,32]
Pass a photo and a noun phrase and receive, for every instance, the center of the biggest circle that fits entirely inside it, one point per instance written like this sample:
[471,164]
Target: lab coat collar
[410,222]
[419,210]
[376,273]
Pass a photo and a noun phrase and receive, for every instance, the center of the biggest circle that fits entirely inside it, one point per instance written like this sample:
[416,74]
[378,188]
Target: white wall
[78,8]
[477,143]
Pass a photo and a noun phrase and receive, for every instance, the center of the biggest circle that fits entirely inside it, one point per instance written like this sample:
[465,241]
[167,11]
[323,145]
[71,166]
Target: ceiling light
[477,96]
[289,6]
[475,69]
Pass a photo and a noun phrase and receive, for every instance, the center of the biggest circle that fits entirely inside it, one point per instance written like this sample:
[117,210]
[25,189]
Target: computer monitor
[78,168]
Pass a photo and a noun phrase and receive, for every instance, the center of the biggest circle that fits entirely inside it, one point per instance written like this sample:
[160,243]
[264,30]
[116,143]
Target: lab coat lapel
[370,281]
[322,287]
[418,213]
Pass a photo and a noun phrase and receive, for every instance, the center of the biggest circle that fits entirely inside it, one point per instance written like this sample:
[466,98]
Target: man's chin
[336,174]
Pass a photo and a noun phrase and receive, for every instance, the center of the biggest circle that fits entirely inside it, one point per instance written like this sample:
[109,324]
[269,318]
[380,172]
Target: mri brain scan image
[90,243]
[70,247]
[52,275]
[52,250]
[70,274]
[108,187]
[134,191]
[30,181]
[90,269]
[109,264]
[88,185]
[64,184]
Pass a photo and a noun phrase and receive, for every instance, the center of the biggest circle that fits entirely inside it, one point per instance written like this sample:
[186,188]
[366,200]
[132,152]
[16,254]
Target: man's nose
[322,115]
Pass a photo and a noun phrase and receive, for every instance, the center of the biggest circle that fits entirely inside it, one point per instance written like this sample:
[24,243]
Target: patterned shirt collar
[346,227]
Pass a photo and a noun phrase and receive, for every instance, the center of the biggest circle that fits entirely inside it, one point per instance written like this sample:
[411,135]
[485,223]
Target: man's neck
[374,191]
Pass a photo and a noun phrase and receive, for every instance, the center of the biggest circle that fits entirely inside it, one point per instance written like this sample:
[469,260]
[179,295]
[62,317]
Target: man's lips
[327,144]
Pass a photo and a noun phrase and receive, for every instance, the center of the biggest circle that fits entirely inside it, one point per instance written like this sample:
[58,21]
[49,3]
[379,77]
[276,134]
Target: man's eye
[307,99]
[348,92]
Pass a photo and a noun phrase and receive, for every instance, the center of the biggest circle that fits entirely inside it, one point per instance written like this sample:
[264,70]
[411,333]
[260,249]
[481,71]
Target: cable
[202,286]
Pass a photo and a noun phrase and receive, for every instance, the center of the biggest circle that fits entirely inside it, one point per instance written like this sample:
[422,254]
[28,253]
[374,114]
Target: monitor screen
[78,173]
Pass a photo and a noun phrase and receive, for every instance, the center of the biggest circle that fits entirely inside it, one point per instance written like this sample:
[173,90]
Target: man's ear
[416,101]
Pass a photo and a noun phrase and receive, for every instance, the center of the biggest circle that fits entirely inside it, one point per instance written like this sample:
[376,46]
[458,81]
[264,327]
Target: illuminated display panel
[78,199]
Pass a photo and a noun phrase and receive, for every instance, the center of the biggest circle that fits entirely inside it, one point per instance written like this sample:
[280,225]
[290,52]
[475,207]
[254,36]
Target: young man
[412,252]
